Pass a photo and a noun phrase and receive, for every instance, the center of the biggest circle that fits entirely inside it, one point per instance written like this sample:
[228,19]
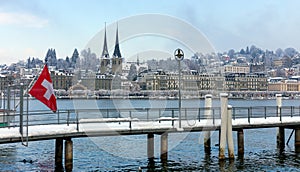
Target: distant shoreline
[163,98]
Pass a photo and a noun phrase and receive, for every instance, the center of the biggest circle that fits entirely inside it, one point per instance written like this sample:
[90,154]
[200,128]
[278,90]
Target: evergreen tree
[247,50]
[132,72]
[28,63]
[74,58]
[242,51]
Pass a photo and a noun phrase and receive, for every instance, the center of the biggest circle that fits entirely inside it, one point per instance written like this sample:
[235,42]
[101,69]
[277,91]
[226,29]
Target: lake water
[128,153]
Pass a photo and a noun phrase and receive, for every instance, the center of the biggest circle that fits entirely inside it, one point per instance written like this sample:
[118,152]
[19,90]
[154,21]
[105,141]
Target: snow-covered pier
[68,124]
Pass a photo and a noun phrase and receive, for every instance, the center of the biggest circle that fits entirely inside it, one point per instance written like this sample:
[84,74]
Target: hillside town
[250,72]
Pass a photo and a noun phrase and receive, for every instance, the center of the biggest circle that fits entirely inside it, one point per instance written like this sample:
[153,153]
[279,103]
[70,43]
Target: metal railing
[77,116]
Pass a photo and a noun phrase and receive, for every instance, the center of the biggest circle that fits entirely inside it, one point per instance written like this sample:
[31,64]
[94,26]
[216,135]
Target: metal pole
[8,99]
[4,106]
[21,109]
[179,56]
[27,108]
[8,106]
[179,93]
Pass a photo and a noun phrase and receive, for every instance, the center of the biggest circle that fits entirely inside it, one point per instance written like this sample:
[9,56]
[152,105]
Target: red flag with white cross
[43,90]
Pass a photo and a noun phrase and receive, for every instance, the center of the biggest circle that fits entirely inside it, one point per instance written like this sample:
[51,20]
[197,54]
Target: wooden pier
[65,125]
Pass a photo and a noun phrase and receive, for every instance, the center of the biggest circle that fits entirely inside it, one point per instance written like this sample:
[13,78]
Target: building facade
[61,80]
[236,69]
[282,86]
[189,82]
[246,82]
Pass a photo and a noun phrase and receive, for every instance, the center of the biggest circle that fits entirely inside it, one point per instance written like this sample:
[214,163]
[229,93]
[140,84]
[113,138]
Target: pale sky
[28,28]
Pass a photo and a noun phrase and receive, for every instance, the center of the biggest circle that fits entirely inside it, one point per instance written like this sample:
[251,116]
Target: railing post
[213,115]
[199,114]
[280,113]
[147,114]
[57,116]
[173,117]
[265,108]
[68,118]
[77,119]
[233,113]
[159,114]
[292,111]
[279,104]
[249,115]
[8,99]
[130,119]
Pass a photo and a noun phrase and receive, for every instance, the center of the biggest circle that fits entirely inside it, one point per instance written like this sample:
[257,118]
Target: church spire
[117,52]
[105,51]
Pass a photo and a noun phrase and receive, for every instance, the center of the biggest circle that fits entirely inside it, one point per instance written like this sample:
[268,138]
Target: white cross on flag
[43,90]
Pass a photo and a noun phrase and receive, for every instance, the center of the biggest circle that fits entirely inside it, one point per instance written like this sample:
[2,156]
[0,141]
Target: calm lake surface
[128,153]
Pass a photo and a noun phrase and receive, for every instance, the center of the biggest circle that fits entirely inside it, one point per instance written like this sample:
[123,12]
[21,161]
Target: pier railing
[78,116]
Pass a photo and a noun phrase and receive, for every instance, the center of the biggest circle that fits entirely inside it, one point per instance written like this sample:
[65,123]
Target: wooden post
[68,154]
[150,146]
[297,140]
[280,130]
[240,140]
[229,133]
[208,105]
[164,147]
[58,154]
[223,139]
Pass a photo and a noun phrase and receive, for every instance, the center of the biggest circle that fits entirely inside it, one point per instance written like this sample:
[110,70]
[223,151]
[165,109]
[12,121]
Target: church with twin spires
[111,65]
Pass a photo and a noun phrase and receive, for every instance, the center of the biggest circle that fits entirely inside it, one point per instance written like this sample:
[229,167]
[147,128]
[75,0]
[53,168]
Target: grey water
[128,153]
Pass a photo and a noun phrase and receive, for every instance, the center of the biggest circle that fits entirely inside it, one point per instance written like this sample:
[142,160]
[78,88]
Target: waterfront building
[61,80]
[161,80]
[246,82]
[103,82]
[236,69]
[284,85]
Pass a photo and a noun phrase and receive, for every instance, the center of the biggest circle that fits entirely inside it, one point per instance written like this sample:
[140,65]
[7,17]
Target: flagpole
[31,84]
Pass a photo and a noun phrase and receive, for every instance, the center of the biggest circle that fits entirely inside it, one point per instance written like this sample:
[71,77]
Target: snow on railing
[78,116]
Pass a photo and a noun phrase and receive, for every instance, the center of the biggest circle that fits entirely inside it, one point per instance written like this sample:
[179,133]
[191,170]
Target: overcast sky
[28,28]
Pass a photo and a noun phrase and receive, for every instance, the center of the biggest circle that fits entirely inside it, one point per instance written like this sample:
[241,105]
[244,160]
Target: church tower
[104,60]
[117,57]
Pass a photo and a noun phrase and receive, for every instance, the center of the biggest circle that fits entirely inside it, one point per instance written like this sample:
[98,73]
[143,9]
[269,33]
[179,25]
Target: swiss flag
[43,90]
